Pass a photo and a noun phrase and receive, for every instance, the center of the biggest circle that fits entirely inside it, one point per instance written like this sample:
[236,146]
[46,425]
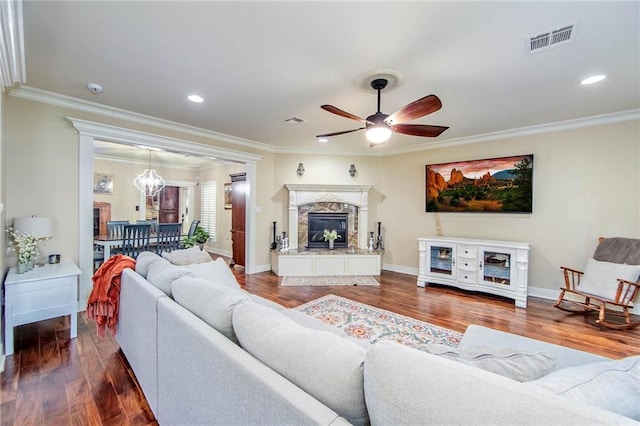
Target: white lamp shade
[378,134]
[41,227]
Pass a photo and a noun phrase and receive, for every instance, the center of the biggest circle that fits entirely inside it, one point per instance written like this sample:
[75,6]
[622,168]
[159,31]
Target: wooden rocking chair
[611,279]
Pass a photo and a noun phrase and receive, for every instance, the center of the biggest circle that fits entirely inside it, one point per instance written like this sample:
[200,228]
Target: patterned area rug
[330,280]
[373,324]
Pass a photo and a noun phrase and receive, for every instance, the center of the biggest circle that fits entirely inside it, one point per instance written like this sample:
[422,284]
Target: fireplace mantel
[300,194]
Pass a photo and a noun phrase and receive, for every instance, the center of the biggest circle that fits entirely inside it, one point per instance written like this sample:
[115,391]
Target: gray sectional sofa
[205,351]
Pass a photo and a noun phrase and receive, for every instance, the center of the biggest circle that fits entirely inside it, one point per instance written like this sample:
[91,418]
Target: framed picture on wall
[227,196]
[493,185]
[103,183]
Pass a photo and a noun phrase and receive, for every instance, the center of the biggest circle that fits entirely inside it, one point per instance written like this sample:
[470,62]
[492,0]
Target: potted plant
[199,237]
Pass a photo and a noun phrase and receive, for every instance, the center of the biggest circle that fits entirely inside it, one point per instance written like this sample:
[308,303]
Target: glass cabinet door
[497,266]
[441,259]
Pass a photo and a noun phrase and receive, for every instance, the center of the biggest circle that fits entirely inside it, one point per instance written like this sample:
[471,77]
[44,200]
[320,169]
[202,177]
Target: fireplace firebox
[318,222]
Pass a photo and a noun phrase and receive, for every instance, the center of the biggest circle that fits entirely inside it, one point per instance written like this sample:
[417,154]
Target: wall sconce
[352,170]
[300,170]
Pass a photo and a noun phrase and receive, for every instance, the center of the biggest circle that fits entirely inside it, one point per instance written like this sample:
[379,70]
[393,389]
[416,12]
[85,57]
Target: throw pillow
[216,271]
[212,303]
[512,363]
[187,256]
[324,365]
[162,273]
[612,385]
[600,278]
[143,261]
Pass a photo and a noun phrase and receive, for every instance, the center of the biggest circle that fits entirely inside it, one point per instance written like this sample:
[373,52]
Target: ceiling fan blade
[415,109]
[326,135]
[419,130]
[342,113]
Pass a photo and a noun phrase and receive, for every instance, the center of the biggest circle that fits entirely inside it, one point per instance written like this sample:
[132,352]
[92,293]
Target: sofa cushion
[216,271]
[162,273]
[317,324]
[612,385]
[324,365]
[211,302]
[405,386]
[600,278]
[515,364]
[187,256]
[143,261]
[266,302]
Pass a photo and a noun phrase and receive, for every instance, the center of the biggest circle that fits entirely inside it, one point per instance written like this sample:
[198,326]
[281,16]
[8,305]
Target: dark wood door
[238,213]
[169,205]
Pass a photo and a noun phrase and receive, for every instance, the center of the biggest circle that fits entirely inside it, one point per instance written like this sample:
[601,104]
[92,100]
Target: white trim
[33,94]
[38,95]
[12,56]
[87,131]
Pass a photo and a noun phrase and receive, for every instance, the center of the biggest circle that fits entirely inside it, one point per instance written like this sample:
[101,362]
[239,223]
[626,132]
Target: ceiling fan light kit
[380,126]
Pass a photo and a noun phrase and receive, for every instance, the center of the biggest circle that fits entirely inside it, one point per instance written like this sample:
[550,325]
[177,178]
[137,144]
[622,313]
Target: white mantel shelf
[300,194]
[326,262]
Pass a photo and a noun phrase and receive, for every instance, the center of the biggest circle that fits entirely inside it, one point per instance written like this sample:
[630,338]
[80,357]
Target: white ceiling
[258,63]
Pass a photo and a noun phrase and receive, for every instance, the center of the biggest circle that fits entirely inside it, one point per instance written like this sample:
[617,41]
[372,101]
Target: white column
[85,218]
[293,220]
[363,219]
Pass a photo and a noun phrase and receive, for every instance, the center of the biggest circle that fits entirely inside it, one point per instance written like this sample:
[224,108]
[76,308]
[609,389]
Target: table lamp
[41,227]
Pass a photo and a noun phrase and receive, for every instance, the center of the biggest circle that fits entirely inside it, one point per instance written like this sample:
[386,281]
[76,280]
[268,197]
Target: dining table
[107,242]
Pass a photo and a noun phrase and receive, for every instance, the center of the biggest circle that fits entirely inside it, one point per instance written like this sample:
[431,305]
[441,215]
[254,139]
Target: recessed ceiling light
[323,140]
[593,79]
[195,98]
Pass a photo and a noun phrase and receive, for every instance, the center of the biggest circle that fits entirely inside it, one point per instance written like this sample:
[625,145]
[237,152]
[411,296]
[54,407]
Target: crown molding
[43,96]
[133,137]
[597,120]
[33,94]
[12,57]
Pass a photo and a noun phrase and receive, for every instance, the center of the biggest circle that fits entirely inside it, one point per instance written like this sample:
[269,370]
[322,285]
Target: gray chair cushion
[326,366]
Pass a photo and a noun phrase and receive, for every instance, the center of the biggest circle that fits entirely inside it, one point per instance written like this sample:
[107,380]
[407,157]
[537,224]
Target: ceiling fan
[379,126]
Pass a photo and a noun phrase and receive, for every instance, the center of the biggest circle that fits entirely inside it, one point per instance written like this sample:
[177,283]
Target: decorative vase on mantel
[331,244]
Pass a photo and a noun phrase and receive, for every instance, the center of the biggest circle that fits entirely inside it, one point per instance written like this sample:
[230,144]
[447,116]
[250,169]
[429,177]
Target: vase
[330,244]
[22,267]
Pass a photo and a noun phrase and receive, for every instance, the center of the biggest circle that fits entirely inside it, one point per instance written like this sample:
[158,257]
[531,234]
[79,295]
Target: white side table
[47,292]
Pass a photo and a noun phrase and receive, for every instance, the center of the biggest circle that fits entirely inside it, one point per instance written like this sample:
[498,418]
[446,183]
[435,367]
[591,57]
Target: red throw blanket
[102,305]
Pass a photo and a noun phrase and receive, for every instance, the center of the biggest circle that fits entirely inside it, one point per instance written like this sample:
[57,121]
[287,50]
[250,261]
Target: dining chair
[153,223]
[115,228]
[193,227]
[135,239]
[168,237]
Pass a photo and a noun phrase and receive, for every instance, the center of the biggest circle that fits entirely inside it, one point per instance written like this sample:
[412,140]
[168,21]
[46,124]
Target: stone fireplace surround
[354,195]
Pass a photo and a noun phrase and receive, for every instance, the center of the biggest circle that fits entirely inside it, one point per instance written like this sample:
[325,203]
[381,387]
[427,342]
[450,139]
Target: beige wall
[586,184]
[125,195]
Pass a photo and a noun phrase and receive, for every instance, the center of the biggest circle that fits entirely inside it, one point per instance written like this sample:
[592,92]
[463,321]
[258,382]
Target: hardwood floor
[54,380]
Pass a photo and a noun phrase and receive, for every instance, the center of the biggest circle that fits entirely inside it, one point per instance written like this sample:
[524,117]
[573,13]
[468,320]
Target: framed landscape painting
[494,185]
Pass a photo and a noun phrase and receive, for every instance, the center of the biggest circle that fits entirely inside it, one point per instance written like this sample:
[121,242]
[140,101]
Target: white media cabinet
[494,267]
[326,262]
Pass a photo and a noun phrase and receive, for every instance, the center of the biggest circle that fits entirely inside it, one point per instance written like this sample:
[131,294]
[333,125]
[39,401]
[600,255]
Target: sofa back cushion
[162,273]
[216,271]
[187,256]
[612,385]
[144,260]
[405,386]
[323,364]
[212,303]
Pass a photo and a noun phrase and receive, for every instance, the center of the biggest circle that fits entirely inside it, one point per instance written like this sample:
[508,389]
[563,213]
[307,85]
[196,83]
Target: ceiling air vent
[295,120]
[551,38]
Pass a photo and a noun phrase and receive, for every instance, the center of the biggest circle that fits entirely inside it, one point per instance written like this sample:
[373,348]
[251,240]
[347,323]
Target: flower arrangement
[330,235]
[25,245]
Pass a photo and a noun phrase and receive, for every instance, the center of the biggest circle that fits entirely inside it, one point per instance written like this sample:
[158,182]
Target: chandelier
[149,182]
